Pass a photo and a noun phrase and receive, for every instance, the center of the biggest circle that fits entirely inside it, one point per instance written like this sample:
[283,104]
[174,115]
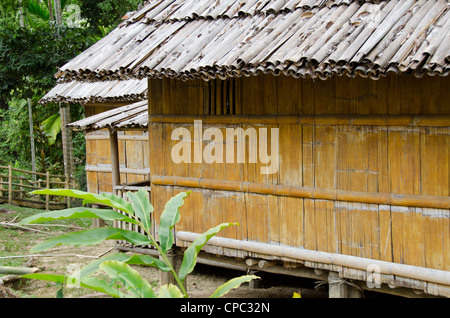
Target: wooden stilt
[167,277]
[255,283]
[338,288]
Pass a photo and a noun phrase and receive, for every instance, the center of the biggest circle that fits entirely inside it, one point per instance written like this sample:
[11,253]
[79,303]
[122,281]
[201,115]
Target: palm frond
[39,10]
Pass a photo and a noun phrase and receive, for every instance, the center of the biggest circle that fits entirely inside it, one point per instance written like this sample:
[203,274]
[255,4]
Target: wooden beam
[424,201]
[114,142]
[372,120]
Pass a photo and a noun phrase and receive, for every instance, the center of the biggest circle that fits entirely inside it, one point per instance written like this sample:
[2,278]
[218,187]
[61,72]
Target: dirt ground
[201,283]
[63,260]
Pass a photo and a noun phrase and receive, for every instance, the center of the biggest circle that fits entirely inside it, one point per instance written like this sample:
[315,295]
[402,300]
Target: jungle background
[36,38]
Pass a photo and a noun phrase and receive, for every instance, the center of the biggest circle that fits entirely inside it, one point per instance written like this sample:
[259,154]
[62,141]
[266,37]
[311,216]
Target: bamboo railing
[16,185]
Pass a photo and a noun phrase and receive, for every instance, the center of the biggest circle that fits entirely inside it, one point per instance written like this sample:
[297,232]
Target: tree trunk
[58,12]
[67,141]
[50,10]
[33,153]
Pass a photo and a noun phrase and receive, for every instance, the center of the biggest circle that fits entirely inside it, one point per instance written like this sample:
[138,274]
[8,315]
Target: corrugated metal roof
[102,92]
[302,38]
[130,116]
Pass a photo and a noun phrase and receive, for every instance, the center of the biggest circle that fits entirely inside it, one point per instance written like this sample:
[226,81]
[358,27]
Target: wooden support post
[167,277]
[114,159]
[97,223]
[9,184]
[67,186]
[338,288]
[1,186]
[21,189]
[47,185]
[255,283]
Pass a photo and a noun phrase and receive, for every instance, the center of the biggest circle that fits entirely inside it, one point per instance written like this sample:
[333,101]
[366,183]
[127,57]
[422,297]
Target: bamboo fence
[16,185]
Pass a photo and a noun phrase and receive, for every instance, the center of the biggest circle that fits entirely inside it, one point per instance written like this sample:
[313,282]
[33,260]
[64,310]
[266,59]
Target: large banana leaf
[105,199]
[170,217]
[92,237]
[190,255]
[142,207]
[131,260]
[76,213]
[52,127]
[46,277]
[133,282]
[231,284]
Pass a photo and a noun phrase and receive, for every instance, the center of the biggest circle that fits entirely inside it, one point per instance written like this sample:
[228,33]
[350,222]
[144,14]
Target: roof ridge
[236,9]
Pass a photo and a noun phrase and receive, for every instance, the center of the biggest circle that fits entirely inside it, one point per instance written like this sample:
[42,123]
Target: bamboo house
[102,97]
[354,93]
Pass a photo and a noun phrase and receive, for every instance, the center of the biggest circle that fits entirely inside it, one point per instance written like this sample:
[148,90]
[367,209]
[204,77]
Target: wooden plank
[91,152]
[434,169]
[290,156]
[407,236]
[345,96]
[277,220]
[191,213]
[289,91]
[415,238]
[160,195]
[166,149]
[331,228]
[310,230]
[342,228]
[92,181]
[104,182]
[324,97]
[325,157]
[155,99]
[323,209]
[308,156]
[291,221]
[436,234]
[230,206]
[371,230]
[257,217]
[373,166]
[385,223]
[404,160]
[156,149]
[270,93]
[354,157]
[251,171]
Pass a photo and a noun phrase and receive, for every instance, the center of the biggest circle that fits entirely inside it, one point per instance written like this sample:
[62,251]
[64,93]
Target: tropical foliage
[124,281]
[32,48]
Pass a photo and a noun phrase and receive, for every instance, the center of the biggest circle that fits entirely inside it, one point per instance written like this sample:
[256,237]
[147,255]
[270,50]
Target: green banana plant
[117,266]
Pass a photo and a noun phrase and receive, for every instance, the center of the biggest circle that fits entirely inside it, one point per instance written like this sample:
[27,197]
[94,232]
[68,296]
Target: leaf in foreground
[170,217]
[105,199]
[231,284]
[170,291]
[134,282]
[145,260]
[190,255]
[93,237]
[77,213]
[142,207]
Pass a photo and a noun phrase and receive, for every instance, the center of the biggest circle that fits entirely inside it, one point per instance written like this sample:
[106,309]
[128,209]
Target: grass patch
[15,241]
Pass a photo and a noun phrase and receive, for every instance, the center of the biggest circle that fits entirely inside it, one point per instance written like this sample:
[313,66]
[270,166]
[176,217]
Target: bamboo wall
[133,155]
[364,164]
